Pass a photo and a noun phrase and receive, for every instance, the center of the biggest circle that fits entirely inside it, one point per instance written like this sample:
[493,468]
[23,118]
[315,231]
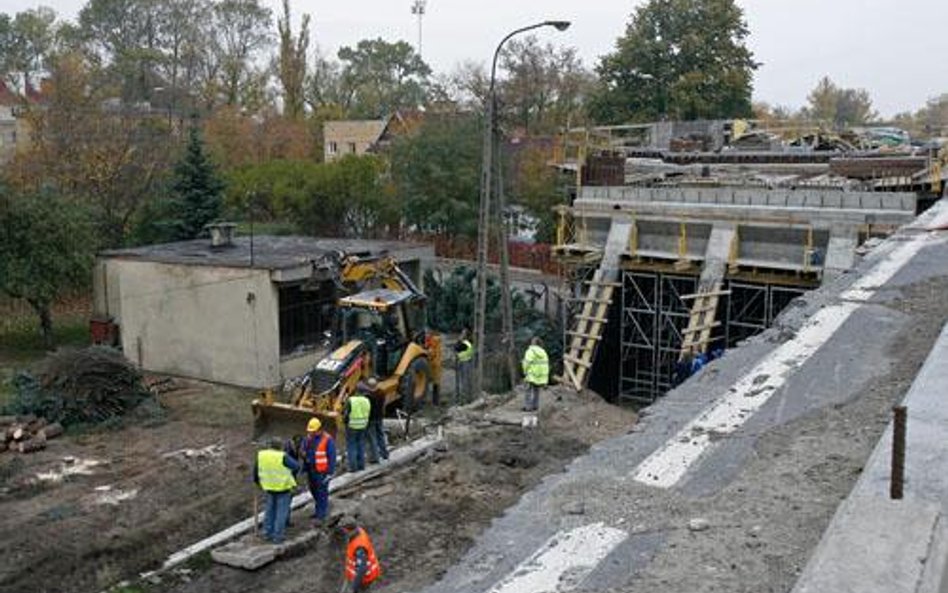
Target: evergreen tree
[197,190]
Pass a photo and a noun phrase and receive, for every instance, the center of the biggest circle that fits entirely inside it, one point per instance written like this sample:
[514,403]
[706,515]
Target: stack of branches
[92,385]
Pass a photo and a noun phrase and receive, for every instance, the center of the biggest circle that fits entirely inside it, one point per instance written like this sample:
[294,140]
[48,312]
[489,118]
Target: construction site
[739,306]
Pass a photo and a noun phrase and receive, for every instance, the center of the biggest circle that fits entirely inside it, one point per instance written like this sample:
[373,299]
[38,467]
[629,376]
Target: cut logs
[27,434]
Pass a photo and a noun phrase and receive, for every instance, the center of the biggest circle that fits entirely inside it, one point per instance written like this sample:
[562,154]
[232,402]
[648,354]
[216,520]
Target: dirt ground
[129,497]
[158,489]
[766,523]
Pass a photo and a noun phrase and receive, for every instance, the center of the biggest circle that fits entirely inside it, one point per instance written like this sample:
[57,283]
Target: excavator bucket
[275,419]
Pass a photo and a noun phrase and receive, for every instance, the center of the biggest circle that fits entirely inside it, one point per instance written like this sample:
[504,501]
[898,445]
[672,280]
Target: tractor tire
[415,385]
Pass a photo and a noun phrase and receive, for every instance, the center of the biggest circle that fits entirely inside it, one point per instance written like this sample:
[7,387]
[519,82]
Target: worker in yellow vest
[536,371]
[362,565]
[356,415]
[464,350]
[275,473]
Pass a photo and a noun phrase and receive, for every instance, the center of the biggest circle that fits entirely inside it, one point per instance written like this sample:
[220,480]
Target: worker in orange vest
[362,565]
[318,453]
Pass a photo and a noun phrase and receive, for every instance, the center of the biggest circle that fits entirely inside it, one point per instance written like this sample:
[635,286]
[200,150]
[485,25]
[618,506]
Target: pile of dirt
[87,386]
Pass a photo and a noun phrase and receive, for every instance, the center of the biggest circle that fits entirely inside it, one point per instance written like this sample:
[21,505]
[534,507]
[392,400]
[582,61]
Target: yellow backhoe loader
[380,332]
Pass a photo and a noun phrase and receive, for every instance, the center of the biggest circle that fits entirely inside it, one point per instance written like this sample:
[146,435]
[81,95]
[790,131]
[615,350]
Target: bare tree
[293,62]
[241,30]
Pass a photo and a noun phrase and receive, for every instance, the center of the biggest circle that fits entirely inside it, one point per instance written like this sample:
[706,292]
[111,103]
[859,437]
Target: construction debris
[160,385]
[209,452]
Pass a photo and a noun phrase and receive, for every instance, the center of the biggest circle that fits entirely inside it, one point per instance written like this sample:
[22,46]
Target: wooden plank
[594,319]
[572,377]
[585,336]
[602,283]
[578,362]
[701,328]
[717,293]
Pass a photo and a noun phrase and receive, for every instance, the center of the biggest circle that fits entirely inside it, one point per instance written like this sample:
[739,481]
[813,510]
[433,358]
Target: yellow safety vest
[274,476]
[536,366]
[359,409]
[466,355]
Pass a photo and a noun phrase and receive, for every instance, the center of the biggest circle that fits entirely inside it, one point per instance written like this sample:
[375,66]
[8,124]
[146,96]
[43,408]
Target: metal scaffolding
[752,308]
[654,316]
[652,320]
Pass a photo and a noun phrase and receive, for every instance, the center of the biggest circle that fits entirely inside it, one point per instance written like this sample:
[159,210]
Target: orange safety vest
[373,571]
[321,459]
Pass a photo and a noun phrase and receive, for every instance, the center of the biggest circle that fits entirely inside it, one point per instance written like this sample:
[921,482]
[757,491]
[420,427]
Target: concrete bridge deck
[730,481]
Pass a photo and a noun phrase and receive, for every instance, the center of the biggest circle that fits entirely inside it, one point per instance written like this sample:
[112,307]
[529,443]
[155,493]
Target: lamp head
[559,25]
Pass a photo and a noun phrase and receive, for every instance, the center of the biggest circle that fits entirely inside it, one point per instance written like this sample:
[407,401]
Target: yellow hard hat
[313,425]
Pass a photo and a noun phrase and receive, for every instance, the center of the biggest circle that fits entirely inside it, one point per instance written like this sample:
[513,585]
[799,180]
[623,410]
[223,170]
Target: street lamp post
[484,219]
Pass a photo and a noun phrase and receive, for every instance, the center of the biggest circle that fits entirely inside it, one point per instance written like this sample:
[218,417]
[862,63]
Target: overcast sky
[893,48]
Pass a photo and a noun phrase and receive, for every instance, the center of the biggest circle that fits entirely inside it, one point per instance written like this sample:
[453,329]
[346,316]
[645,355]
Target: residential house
[359,137]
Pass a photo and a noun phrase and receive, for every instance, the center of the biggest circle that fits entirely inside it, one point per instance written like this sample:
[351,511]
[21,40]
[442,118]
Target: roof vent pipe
[222,234]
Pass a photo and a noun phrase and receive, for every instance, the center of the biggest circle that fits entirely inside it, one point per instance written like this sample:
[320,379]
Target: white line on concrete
[667,465]
[563,561]
[863,289]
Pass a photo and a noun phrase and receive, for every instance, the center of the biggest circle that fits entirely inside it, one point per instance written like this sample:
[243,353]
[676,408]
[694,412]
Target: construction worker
[362,565]
[464,350]
[536,371]
[318,453]
[376,430]
[275,472]
[356,415]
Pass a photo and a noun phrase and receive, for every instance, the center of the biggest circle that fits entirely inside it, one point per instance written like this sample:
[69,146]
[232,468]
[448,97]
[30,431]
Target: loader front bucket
[287,421]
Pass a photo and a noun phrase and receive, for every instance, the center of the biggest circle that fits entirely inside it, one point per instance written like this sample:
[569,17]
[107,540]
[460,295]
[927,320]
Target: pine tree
[197,190]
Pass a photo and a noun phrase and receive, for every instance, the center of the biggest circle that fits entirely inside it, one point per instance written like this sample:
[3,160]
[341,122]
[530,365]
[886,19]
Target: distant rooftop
[270,253]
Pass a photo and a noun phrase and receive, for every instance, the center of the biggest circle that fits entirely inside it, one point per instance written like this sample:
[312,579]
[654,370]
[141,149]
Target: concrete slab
[874,545]
[841,251]
[905,543]
[246,554]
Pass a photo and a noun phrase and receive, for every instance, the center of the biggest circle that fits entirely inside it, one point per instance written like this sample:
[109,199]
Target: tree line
[149,118]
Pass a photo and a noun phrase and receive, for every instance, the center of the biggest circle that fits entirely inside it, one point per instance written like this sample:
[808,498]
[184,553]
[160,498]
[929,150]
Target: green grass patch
[21,341]
[200,562]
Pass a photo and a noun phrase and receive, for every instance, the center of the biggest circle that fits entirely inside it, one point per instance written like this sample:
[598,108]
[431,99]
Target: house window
[352,148]
[304,316]
[333,148]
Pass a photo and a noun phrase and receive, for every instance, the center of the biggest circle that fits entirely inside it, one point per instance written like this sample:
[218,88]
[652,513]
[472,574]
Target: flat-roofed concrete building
[222,314]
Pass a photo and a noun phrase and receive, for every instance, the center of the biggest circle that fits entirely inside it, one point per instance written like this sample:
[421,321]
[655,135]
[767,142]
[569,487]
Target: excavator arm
[354,273]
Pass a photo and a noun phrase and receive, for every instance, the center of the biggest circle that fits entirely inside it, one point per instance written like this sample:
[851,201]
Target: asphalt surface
[729,482]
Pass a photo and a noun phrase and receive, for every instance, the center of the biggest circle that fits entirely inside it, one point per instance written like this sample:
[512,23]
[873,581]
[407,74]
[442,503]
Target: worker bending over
[362,565]
[536,371]
[275,472]
[319,460]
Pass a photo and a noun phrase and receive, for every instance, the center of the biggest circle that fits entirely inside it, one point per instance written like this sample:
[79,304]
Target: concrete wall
[216,324]
[786,246]
[800,199]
